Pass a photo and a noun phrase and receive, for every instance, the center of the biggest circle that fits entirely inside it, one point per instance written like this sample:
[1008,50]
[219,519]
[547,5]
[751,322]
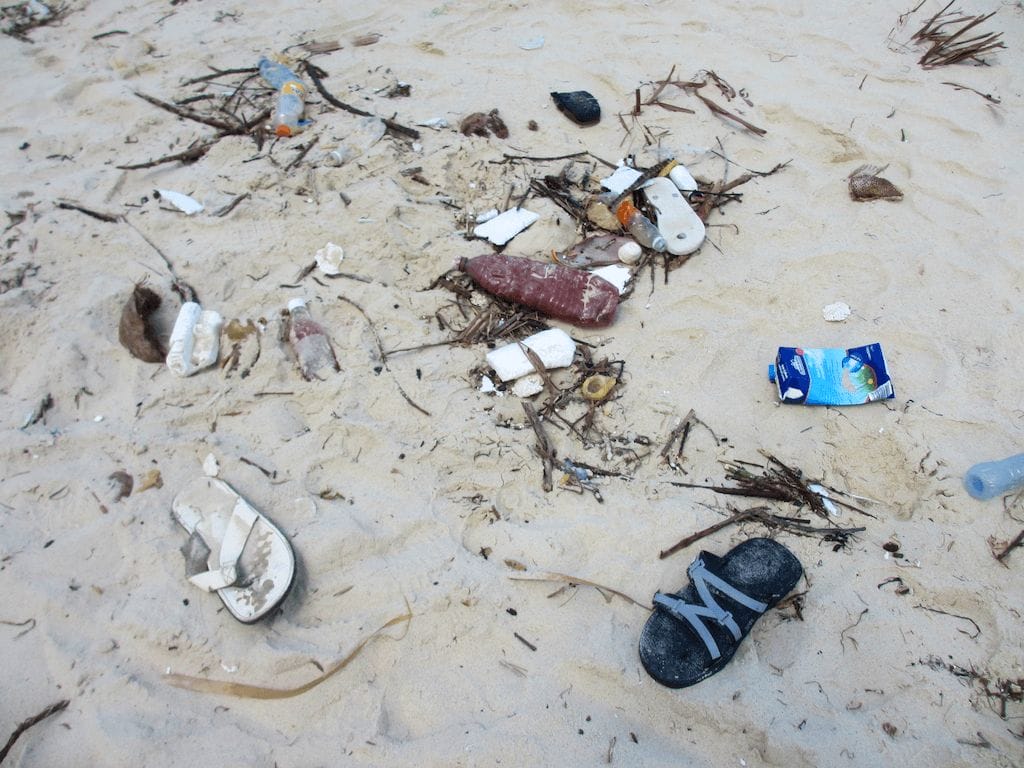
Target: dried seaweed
[998,690]
[19,19]
[946,30]
[136,332]
[249,691]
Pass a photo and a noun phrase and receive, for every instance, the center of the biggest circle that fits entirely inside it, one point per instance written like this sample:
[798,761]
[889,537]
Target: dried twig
[544,448]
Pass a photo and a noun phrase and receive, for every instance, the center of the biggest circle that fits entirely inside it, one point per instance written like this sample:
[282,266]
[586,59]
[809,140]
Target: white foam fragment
[210,466]
[616,274]
[184,203]
[836,312]
[487,385]
[505,226]
[528,386]
[486,216]
[619,181]
[554,347]
[329,259]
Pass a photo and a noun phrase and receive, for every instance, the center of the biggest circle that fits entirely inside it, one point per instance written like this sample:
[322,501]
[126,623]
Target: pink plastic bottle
[310,342]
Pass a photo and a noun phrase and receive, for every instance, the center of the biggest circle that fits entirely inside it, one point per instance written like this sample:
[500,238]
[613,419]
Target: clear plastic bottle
[309,340]
[291,106]
[995,478]
[291,94]
[640,227]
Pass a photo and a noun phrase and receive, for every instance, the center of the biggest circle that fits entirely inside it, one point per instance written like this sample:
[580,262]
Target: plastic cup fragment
[195,340]
[329,259]
[184,203]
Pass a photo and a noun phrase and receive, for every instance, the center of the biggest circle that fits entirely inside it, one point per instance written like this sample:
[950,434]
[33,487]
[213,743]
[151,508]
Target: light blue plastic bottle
[995,478]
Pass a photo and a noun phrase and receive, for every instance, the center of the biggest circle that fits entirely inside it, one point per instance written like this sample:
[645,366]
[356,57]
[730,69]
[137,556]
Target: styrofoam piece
[329,259]
[184,203]
[836,312]
[682,178]
[528,386]
[487,385]
[619,181]
[483,218]
[680,225]
[554,347]
[616,274]
[195,340]
[505,226]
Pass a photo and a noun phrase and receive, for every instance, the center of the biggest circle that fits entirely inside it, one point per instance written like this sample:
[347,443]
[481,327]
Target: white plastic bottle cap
[629,253]
[294,304]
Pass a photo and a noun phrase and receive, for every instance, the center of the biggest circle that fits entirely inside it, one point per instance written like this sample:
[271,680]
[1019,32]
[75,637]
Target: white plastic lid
[294,304]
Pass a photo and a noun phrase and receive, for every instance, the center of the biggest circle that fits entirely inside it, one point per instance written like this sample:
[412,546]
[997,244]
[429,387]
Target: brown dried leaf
[369,39]
[866,184]
[151,479]
[135,331]
[123,483]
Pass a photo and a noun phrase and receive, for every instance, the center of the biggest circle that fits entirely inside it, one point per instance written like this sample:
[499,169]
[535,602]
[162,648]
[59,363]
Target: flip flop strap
[236,534]
[703,580]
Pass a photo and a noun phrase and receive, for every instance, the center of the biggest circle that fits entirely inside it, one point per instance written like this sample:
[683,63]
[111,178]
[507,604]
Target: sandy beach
[409,494]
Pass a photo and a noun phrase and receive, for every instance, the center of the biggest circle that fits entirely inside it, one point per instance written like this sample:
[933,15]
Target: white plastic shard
[619,181]
[184,203]
[678,223]
[618,275]
[554,347]
[505,226]
[329,259]
[195,340]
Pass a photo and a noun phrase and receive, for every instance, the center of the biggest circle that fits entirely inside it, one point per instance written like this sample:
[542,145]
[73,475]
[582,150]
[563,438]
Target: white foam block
[619,181]
[554,347]
[505,226]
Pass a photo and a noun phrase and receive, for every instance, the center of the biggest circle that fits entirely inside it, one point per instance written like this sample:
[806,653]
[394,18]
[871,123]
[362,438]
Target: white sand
[935,278]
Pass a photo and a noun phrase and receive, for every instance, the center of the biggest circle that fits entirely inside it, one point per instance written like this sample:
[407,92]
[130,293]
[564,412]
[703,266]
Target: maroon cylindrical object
[563,293]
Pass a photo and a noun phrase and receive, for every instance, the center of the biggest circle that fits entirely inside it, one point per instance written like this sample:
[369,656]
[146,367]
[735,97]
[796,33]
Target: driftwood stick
[737,517]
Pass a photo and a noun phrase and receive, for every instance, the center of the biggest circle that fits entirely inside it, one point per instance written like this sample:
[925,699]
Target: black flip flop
[694,633]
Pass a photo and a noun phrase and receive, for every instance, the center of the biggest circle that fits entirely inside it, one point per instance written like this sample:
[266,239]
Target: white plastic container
[195,340]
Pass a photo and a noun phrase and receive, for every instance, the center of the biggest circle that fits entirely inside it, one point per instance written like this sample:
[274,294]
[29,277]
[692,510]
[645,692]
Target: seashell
[866,184]
[581,106]
[596,388]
